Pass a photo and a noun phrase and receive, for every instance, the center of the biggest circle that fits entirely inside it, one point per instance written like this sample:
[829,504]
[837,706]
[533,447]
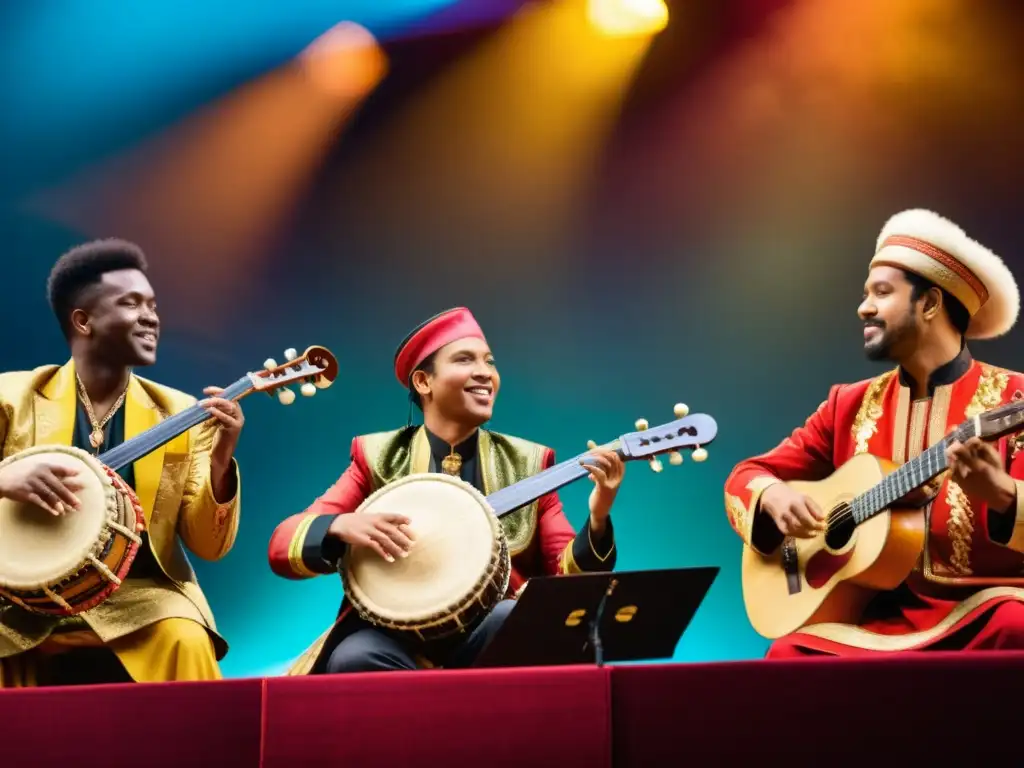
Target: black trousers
[368,649]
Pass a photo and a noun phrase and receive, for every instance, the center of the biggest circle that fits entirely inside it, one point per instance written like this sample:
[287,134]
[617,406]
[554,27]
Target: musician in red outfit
[451,376]
[929,287]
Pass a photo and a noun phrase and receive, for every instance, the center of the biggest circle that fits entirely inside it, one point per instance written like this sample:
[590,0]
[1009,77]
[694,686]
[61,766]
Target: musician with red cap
[929,288]
[450,373]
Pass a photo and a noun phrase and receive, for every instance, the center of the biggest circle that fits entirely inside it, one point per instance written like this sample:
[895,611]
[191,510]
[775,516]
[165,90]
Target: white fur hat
[935,248]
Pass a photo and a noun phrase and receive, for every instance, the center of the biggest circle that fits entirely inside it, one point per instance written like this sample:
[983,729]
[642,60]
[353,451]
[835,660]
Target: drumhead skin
[455,530]
[38,548]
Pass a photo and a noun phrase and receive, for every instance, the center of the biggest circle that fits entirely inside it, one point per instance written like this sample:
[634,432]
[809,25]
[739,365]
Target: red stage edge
[944,707]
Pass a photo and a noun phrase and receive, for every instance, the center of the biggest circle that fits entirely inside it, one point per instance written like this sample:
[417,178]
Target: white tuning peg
[307,390]
[641,425]
[270,363]
[286,396]
[699,454]
[290,353]
[675,458]
[656,465]
[591,445]
[680,410]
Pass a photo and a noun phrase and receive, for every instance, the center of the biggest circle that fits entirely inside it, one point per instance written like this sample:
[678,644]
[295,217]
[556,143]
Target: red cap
[430,336]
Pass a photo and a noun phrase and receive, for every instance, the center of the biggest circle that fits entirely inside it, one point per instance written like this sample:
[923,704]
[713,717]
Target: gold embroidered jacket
[172,483]
[966,545]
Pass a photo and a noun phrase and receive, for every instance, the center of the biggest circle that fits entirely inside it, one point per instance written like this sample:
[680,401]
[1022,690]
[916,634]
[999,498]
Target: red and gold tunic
[973,558]
[541,539]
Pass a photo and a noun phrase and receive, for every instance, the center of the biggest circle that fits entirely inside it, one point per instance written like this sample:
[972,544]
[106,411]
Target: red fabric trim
[945,259]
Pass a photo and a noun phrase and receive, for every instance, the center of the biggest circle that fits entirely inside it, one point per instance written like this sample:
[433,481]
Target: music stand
[596,617]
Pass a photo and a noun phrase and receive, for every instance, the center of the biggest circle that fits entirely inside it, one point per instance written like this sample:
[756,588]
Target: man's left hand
[978,469]
[607,472]
[230,418]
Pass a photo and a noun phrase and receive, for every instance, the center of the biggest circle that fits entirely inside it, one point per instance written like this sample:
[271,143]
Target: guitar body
[833,576]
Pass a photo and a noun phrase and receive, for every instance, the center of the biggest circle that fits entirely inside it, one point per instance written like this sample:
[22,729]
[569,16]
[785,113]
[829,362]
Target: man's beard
[881,347]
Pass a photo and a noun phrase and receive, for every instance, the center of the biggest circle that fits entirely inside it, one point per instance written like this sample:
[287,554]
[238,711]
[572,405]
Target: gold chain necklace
[96,436]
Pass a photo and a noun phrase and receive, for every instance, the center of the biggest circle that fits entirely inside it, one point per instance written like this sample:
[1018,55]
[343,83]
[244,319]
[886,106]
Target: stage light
[345,61]
[627,18]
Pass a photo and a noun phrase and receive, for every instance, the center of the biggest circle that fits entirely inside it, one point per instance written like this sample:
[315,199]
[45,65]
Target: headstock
[1001,421]
[316,368]
[694,431]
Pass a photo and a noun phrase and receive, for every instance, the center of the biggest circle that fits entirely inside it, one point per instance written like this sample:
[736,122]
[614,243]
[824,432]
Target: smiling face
[463,384]
[119,320]
[892,315]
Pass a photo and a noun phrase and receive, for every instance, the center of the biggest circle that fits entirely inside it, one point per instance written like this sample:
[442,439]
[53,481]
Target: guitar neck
[912,475]
[517,495]
[132,450]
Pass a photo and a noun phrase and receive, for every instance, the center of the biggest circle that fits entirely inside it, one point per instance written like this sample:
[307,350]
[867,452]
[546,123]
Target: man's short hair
[83,267]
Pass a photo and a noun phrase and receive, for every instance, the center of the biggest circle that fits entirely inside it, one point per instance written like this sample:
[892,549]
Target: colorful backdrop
[636,221]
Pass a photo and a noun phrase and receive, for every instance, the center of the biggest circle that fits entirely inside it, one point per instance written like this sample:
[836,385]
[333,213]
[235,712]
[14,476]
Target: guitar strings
[962,433]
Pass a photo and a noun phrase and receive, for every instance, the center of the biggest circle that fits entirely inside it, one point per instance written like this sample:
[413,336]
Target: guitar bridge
[791,565]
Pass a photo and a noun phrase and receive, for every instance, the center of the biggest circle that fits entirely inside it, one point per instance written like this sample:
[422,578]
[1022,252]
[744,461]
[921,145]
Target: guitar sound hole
[840,527]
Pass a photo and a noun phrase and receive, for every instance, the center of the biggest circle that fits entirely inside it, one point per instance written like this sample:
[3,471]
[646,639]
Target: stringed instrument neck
[694,431]
[315,369]
[990,425]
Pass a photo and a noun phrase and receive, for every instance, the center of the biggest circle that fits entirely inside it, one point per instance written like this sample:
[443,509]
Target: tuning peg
[270,363]
[680,410]
[641,425]
[591,445]
[656,465]
[675,458]
[290,354]
[699,454]
[286,396]
[307,390]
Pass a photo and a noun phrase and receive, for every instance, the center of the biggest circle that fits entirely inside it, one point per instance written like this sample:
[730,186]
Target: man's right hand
[794,513]
[47,484]
[386,534]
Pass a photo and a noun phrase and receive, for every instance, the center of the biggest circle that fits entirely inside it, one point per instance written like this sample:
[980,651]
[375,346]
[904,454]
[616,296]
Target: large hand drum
[63,565]
[457,571]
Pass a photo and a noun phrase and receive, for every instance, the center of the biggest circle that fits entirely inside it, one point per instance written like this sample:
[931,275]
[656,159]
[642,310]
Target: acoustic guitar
[872,541]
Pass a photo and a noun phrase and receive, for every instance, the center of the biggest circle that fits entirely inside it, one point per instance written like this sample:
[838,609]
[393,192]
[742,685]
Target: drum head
[455,532]
[38,548]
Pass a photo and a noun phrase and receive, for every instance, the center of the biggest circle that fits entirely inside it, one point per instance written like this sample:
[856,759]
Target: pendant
[451,464]
[96,438]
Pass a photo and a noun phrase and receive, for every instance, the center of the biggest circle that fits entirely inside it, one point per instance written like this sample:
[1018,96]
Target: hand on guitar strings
[49,485]
[978,469]
[795,514]
[387,534]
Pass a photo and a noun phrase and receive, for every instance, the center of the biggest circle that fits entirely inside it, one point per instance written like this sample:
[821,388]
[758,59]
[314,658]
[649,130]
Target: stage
[943,706]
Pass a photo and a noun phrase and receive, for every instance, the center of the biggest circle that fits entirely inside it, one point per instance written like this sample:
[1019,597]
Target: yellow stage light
[624,18]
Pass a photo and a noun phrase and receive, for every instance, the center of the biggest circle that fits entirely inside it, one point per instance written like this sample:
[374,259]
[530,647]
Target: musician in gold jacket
[157,626]
[450,373]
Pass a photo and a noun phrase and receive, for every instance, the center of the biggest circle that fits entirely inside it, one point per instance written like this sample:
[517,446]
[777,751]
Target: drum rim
[499,564]
[103,531]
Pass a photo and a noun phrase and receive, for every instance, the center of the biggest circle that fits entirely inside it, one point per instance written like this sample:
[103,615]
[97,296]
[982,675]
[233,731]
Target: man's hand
[230,418]
[607,472]
[387,534]
[977,468]
[50,485]
[794,513]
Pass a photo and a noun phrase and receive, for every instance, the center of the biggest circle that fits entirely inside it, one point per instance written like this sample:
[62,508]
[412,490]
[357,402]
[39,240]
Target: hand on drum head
[386,534]
[47,484]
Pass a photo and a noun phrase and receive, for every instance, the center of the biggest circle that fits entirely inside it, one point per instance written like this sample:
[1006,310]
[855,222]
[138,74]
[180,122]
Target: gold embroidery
[960,525]
[899,425]
[918,420]
[738,513]
[865,425]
